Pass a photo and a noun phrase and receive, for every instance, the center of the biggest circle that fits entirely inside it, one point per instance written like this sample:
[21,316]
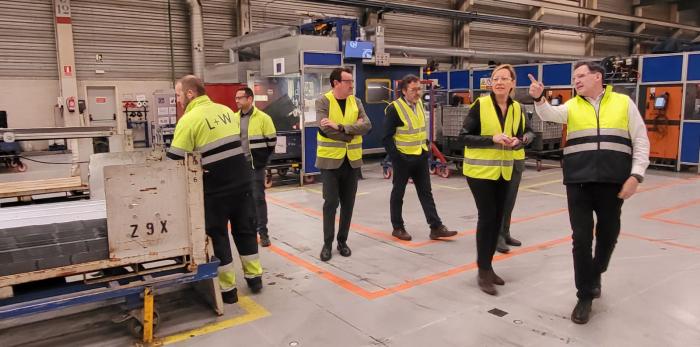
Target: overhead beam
[592,22]
[604,14]
[534,37]
[474,16]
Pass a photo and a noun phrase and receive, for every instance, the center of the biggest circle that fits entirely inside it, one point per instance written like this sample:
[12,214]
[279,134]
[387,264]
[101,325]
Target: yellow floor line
[545,193]
[253,312]
[540,184]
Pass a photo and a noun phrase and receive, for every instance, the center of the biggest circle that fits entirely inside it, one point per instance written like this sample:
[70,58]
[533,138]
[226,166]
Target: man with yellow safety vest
[343,121]
[213,130]
[406,141]
[606,155]
[492,131]
[258,139]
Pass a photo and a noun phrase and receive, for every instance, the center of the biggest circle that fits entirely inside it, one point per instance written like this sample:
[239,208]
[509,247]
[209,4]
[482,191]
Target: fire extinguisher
[70,104]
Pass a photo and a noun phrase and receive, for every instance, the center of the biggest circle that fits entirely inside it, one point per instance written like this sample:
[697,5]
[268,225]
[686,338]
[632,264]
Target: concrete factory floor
[423,292]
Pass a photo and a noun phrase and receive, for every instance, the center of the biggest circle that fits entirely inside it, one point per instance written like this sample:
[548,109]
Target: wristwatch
[639,178]
[539,97]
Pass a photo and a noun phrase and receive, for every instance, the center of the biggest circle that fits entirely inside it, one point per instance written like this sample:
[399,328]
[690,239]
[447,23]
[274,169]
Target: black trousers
[584,200]
[339,187]
[415,167]
[490,198]
[238,209]
[511,196]
[260,203]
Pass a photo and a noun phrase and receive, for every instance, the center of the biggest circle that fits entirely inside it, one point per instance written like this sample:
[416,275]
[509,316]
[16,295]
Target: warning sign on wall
[100,100]
[67,70]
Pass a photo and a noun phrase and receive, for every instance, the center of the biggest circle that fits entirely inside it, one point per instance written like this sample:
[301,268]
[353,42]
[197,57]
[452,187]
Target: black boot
[230,297]
[596,291]
[344,249]
[582,311]
[513,242]
[255,284]
[264,240]
[501,246]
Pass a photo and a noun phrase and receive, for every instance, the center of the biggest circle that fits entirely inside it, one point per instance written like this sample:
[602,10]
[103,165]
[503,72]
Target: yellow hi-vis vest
[493,161]
[410,138]
[598,145]
[332,149]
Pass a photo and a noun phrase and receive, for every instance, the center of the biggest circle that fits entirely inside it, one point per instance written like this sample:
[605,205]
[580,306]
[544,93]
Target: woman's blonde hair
[511,70]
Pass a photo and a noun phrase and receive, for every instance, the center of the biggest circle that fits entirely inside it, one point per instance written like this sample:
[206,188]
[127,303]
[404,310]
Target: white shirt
[635,126]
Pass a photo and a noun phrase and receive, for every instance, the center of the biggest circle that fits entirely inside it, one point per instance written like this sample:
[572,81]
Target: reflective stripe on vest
[494,161]
[332,149]
[410,138]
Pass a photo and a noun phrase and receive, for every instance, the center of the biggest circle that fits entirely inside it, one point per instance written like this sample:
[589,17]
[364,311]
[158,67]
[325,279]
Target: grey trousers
[511,196]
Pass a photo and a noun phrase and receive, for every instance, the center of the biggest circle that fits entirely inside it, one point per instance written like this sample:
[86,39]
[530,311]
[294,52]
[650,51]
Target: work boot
[485,281]
[344,249]
[401,234]
[441,231]
[255,284]
[582,311]
[230,297]
[326,253]
[501,246]
[497,280]
[264,240]
[513,242]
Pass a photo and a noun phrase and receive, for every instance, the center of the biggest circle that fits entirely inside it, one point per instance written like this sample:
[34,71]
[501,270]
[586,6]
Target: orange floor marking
[383,235]
[669,243]
[653,215]
[675,182]
[371,295]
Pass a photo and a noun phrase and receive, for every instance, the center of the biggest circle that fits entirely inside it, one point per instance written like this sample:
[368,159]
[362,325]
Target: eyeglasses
[242,97]
[415,90]
[501,79]
[348,81]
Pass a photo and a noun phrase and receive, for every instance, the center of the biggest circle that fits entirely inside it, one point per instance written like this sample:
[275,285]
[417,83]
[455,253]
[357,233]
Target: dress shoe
[486,282]
[255,284]
[497,280]
[264,240]
[582,311]
[230,297]
[401,234]
[326,253]
[344,249]
[501,246]
[513,242]
[441,231]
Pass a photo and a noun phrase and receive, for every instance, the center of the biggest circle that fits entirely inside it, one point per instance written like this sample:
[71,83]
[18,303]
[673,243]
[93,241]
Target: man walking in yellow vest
[606,155]
[258,139]
[213,130]
[343,121]
[406,142]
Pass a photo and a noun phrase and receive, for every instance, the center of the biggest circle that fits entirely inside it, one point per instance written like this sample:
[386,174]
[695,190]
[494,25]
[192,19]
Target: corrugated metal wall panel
[415,30]
[219,24]
[270,13]
[609,45]
[132,37]
[498,37]
[501,8]
[27,40]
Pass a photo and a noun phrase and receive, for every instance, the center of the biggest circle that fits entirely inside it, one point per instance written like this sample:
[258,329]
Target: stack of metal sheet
[39,237]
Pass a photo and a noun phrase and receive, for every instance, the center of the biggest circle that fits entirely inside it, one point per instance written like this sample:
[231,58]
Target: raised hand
[536,87]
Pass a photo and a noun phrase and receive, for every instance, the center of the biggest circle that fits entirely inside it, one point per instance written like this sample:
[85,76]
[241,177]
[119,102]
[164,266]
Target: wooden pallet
[47,186]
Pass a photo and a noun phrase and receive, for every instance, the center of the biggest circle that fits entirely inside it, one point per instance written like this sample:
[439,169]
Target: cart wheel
[432,169]
[444,172]
[268,181]
[136,327]
[309,179]
[459,165]
[387,171]
[21,167]
[282,172]
[13,163]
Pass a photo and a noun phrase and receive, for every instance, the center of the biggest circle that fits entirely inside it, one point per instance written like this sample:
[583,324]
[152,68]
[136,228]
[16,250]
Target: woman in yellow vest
[491,133]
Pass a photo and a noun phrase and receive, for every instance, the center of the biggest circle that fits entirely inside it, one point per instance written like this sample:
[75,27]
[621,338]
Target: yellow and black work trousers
[239,210]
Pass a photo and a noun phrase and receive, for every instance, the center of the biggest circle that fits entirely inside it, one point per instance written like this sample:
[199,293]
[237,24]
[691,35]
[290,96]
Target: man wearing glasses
[606,155]
[258,140]
[406,142]
[343,121]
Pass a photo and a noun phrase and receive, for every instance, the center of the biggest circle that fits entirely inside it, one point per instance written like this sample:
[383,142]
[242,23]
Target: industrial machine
[147,234]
